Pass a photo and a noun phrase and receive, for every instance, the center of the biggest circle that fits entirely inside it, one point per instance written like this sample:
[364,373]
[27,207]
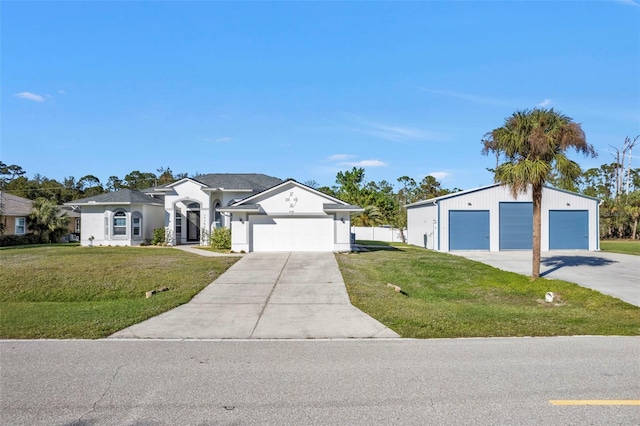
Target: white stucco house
[491,219]
[263,212]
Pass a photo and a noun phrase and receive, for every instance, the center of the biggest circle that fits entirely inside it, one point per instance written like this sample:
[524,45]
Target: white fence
[390,235]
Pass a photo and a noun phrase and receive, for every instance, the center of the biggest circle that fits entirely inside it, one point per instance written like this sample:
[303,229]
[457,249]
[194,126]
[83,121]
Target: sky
[304,90]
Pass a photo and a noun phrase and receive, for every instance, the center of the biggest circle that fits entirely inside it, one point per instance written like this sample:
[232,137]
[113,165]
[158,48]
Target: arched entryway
[193,222]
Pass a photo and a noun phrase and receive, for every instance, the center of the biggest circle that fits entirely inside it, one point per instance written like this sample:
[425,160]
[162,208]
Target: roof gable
[230,181]
[274,189]
[483,188]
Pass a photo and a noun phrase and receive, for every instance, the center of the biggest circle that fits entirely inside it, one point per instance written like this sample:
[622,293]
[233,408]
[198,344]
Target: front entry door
[193,226]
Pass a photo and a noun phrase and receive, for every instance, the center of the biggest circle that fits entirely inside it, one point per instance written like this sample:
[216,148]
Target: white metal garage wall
[489,198]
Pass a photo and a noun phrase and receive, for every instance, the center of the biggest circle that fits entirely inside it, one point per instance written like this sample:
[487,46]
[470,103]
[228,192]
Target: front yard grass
[450,296]
[92,292]
[621,246]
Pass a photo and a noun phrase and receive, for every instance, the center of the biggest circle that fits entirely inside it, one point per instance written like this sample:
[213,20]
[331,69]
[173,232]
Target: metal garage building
[489,218]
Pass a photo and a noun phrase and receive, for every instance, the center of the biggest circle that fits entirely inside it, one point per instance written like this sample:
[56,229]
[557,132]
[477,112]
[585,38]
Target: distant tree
[140,180]
[312,184]
[90,185]
[46,221]
[350,185]
[9,173]
[533,145]
[114,183]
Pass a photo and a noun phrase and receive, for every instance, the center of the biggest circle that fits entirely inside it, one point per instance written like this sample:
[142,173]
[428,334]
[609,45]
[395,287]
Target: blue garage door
[568,230]
[516,226]
[469,230]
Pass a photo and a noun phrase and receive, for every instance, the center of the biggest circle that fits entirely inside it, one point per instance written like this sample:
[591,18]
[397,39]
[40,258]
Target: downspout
[439,233]
[598,225]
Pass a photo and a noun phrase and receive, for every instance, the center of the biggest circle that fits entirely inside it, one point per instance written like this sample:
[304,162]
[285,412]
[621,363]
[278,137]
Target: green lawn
[449,296]
[621,246]
[91,292]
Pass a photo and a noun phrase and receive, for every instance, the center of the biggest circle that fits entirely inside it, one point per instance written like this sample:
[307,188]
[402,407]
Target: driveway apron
[268,296]
[613,274]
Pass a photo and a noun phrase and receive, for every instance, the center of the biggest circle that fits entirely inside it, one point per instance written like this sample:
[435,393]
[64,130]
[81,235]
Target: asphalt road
[499,381]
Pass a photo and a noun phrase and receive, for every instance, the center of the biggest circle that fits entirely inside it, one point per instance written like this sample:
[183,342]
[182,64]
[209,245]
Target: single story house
[490,218]
[263,212]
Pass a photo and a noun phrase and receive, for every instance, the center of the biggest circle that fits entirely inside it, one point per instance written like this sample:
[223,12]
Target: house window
[136,226]
[119,224]
[178,223]
[106,227]
[77,225]
[21,227]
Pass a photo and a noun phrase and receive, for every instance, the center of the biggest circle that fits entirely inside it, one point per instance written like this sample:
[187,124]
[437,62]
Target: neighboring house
[263,212]
[13,213]
[490,218]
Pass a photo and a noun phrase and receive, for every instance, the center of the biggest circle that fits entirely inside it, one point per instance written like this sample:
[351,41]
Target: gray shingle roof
[342,207]
[12,205]
[121,196]
[252,181]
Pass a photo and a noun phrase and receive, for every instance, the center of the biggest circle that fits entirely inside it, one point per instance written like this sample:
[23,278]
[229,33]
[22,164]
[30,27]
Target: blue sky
[306,89]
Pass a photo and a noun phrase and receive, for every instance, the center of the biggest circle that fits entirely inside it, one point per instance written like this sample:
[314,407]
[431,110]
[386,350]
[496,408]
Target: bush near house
[221,239]
[158,236]
[21,240]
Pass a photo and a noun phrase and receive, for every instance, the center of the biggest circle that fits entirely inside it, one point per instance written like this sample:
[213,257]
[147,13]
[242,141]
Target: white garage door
[291,234]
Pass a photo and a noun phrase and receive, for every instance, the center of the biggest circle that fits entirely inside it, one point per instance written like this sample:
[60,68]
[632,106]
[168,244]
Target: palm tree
[534,145]
[371,216]
[46,221]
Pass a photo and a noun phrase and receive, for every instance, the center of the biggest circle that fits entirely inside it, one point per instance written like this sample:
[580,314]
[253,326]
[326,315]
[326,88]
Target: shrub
[21,240]
[158,236]
[221,239]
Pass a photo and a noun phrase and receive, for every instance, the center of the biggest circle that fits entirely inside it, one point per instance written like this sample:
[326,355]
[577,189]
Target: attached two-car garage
[491,219]
[291,234]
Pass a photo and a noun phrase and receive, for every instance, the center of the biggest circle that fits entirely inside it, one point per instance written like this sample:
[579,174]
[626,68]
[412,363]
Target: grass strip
[621,246]
[450,296]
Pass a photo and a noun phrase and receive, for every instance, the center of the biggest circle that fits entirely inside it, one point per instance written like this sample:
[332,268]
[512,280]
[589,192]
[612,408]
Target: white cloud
[340,157]
[440,175]
[468,97]
[628,2]
[363,163]
[29,96]
[397,133]
[224,139]
[545,103]
[62,92]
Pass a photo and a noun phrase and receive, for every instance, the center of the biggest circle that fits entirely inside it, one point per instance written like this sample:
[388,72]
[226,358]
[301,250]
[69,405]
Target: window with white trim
[119,224]
[21,225]
[77,225]
[178,222]
[136,225]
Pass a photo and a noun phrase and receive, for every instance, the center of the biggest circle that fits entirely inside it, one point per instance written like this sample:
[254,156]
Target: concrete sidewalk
[268,296]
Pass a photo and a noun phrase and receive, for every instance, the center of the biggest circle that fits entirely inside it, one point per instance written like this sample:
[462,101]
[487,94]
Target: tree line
[13,180]
[617,184]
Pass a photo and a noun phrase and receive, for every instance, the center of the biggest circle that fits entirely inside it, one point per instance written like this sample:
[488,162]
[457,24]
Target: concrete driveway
[617,275]
[267,296]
